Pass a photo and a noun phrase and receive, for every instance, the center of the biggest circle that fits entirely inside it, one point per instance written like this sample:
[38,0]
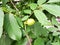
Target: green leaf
[9,8]
[22,42]
[52,29]
[56,43]
[5,40]
[53,9]
[25,18]
[33,6]
[56,33]
[32,35]
[4,2]
[53,1]
[19,21]
[1,21]
[41,17]
[39,30]
[12,28]
[54,21]
[27,11]
[28,29]
[39,41]
[39,2]
[48,43]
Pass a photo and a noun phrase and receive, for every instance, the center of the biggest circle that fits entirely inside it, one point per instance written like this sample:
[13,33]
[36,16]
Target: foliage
[30,22]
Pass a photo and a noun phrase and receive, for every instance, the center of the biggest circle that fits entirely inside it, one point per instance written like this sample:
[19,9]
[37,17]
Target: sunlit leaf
[39,2]
[27,11]
[33,6]
[41,17]
[1,21]
[53,9]
[53,1]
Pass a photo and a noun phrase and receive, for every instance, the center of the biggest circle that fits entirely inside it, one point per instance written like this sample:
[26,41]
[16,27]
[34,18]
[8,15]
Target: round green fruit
[30,21]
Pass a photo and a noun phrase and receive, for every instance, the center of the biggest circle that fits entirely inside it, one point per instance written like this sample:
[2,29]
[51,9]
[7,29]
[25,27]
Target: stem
[31,14]
[14,6]
[27,35]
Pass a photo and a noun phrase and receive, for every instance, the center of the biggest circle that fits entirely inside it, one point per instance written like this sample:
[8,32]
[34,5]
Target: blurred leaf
[1,21]
[53,1]
[41,2]
[22,42]
[39,41]
[56,33]
[28,29]
[39,30]
[44,32]
[52,29]
[5,40]
[53,9]
[32,35]
[59,28]
[19,21]
[12,28]
[41,17]
[27,11]
[48,43]
[4,2]
[9,8]
[54,21]
[25,18]
[33,6]
[5,9]
[56,43]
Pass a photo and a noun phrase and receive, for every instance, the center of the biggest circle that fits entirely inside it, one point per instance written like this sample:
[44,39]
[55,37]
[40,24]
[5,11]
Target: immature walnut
[30,22]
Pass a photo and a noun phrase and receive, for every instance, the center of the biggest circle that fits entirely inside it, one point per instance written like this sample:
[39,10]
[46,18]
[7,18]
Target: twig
[27,36]
[14,6]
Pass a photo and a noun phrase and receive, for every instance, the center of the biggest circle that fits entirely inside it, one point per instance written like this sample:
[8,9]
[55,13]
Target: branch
[14,6]
[27,36]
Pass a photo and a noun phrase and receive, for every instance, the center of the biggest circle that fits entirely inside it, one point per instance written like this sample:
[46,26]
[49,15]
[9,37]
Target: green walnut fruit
[30,21]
